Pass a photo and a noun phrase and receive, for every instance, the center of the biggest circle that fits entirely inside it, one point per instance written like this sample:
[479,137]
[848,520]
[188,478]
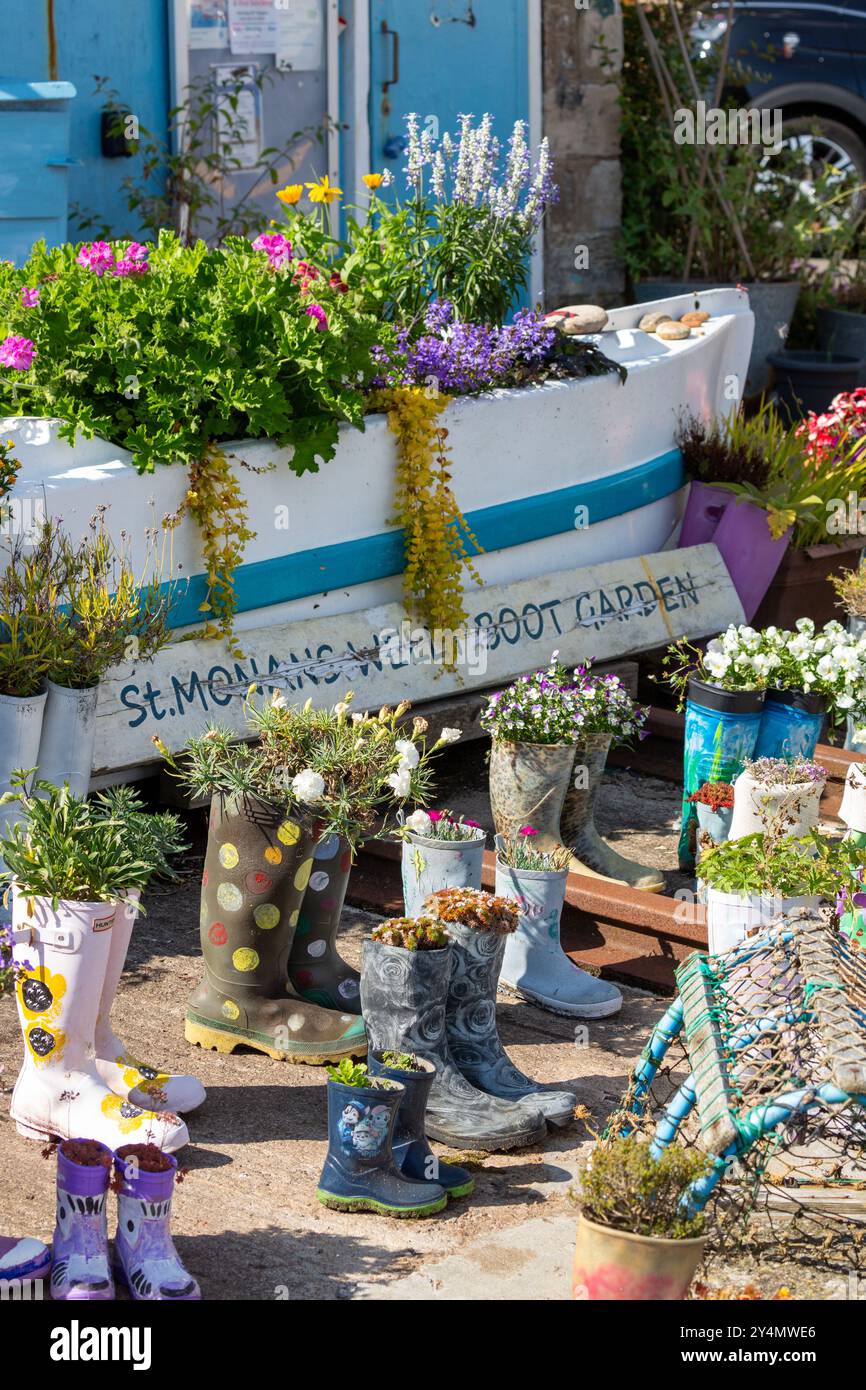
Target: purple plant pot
[705,508]
[750,553]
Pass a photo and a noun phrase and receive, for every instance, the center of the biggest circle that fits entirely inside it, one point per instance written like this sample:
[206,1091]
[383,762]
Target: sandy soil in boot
[246,1221]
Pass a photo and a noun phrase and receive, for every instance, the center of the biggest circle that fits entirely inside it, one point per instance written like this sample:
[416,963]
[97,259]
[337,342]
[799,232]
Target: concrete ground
[246,1220]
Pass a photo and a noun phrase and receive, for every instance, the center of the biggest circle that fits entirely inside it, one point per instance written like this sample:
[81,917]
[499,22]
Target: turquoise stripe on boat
[305,572]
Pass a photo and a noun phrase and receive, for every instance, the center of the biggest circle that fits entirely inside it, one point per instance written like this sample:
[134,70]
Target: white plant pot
[731,917]
[68,737]
[853,808]
[784,810]
[20,730]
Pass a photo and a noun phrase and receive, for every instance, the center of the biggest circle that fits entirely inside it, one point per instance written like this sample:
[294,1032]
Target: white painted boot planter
[731,917]
[853,808]
[141,1084]
[534,964]
[59,1090]
[429,864]
[791,809]
[68,737]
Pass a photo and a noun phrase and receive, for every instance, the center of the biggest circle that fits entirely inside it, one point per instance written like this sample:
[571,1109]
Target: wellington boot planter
[591,854]
[413,1155]
[316,968]
[428,864]
[81,1271]
[802,584]
[258,864]
[856,626]
[791,723]
[759,809]
[721,731]
[617,1266]
[145,1258]
[528,786]
[731,917]
[20,730]
[68,737]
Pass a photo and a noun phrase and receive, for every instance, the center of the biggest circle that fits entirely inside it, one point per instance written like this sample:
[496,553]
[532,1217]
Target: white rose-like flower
[420,822]
[401,782]
[450,735]
[409,756]
[308,786]
[278,701]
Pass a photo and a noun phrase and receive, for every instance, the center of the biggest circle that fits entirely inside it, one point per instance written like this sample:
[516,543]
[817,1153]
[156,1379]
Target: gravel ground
[246,1221]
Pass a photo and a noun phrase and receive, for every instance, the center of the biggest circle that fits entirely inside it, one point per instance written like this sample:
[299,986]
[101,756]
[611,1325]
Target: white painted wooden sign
[601,612]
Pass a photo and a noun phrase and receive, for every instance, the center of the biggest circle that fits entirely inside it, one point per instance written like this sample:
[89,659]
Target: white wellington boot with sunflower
[63,956]
[143,1085]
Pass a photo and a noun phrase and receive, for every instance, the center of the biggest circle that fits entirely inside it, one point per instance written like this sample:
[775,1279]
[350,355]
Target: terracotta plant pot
[801,584]
[617,1266]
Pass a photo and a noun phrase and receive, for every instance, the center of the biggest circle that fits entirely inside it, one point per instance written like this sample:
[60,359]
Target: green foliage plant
[624,1187]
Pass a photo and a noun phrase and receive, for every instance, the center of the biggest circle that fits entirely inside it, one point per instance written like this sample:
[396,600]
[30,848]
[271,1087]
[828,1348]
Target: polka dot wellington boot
[136,1081]
[80,1268]
[64,957]
[316,970]
[145,1259]
[259,862]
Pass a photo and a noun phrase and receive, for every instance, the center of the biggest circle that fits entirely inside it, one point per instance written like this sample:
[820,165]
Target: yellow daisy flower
[291,194]
[373,180]
[324,191]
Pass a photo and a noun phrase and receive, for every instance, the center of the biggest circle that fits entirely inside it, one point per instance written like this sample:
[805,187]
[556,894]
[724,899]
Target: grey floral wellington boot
[316,970]
[403,996]
[592,855]
[470,1025]
[528,786]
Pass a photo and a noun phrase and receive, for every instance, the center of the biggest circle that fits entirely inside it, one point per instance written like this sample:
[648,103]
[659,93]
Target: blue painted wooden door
[448,57]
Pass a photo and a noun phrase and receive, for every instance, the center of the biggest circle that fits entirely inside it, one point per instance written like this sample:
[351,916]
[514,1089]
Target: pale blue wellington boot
[428,865]
[534,964]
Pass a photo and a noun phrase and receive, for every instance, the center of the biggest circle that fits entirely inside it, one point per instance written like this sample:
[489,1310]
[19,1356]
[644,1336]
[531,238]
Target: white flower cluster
[830,662]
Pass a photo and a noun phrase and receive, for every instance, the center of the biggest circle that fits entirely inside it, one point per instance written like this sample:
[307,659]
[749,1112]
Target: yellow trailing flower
[291,194]
[323,191]
[436,533]
[216,502]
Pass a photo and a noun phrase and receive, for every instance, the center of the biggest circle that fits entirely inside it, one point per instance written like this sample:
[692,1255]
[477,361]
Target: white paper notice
[300,27]
[207,24]
[243,132]
[252,26]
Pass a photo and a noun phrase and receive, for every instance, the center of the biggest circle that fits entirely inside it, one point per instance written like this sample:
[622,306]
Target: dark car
[807,60]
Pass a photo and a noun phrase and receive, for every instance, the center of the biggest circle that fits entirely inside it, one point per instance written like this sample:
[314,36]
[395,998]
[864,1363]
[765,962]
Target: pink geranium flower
[315,311]
[98,256]
[133,260]
[527,830]
[276,247]
[17,352]
[30,297]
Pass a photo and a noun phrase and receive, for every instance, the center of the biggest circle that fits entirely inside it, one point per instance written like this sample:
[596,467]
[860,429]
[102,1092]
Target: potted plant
[534,963]
[438,851]
[361,1172]
[850,587]
[155,839]
[81,1270]
[551,734]
[109,615]
[317,971]
[478,925]
[812,675]
[841,314]
[754,879]
[71,865]
[777,796]
[405,973]
[722,690]
[145,1258]
[714,807]
[639,1235]
[806,379]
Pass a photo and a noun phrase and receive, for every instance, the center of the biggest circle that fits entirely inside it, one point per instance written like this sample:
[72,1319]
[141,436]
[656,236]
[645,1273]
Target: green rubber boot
[316,971]
[591,854]
[258,864]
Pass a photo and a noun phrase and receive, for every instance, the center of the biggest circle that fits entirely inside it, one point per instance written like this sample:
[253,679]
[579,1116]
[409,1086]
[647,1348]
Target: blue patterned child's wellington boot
[144,1255]
[415,1158]
[80,1269]
[361,1172]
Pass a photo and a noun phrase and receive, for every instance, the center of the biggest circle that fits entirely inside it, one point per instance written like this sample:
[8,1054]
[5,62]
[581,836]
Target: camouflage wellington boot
[316,971]
[592,855]
[258,864]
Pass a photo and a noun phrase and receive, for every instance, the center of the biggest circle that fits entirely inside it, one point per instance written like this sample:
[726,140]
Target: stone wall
[582,57]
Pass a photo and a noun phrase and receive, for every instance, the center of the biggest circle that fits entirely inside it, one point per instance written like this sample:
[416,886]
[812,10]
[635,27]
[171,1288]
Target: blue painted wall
[125,41]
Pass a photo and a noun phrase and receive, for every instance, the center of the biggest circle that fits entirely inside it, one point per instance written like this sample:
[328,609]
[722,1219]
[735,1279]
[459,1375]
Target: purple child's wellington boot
[80,1268]
[144,1255]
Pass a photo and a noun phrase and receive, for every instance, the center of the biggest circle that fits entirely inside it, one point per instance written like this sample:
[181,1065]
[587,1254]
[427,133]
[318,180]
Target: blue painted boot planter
[361,1171]
[413,1155]
[722,728]
[790,724]
[429,864]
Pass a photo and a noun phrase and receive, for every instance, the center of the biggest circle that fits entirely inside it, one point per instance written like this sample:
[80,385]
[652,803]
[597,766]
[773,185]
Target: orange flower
[291,194]
[373,180]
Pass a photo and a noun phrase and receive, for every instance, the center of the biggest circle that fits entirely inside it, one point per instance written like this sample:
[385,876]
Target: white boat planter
[561,483]
[68,737]
[731,917]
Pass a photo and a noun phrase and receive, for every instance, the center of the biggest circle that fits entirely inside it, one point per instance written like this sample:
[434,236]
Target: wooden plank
[600,612]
